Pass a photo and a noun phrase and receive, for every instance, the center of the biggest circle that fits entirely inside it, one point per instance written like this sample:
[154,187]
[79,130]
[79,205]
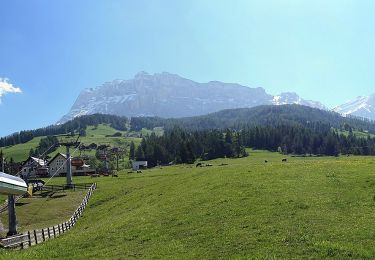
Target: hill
[295,117]
[238,208]
[100,134]
[71,127]
[259,116]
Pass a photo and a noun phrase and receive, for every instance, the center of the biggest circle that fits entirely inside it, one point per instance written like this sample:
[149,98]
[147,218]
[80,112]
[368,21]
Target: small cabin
[138,165]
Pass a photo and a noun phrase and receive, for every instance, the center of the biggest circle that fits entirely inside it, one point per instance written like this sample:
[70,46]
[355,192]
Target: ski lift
[12,185]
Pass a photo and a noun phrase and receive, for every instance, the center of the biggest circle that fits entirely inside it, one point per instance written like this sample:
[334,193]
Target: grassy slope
[357,134]
[96,135]
[20,152]
[316,207]
[45,211]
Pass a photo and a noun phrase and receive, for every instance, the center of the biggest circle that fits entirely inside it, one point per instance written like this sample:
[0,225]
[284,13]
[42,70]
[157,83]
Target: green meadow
[307,207]
[44,209]
[101,134]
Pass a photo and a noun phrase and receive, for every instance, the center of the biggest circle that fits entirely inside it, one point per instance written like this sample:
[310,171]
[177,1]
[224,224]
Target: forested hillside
[259,116]
[289,129]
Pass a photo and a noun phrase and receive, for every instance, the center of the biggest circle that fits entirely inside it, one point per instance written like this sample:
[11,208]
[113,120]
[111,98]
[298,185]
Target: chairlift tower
[12,219]
[69,174]
[117,151]
[104,153]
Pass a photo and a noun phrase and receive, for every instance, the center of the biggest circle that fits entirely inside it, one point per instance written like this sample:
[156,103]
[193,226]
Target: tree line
[321,140]
[183,146]
[241,118]
[46,145]
[179,145]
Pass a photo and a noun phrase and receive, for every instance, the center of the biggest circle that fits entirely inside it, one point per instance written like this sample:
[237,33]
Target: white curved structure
[12,185]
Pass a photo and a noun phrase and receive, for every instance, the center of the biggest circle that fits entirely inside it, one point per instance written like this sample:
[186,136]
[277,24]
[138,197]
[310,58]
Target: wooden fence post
[36,237]
[44,239]
[29,237]
[54,231]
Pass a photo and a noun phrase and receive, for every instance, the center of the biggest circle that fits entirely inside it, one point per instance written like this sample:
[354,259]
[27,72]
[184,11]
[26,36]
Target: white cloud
[6,87]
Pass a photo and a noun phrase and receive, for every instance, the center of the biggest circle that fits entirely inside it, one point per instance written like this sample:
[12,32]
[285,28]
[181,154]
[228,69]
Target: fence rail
[38,236]
[65,187]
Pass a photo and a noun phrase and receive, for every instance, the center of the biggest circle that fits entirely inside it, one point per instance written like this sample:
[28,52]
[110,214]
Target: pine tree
[139,154]
[132,151]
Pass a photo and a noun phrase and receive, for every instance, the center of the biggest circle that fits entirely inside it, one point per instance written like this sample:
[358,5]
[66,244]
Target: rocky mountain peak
[169,95]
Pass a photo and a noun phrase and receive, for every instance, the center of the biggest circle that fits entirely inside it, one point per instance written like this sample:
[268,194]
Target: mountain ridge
[169,95]
[362,106]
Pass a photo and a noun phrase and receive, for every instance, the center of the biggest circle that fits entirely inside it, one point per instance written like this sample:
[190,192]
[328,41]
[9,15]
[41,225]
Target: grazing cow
[283,160]
[139,171]
[198,165]
[265,161]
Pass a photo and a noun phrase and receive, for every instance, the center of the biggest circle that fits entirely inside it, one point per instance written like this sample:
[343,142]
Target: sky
[51,50]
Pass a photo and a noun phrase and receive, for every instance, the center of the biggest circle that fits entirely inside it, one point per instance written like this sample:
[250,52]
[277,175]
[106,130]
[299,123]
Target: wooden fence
[65,187]
[35,237]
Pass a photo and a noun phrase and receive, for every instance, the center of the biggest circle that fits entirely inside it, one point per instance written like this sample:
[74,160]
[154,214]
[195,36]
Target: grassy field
[311,207]
[44,210]
[99,135]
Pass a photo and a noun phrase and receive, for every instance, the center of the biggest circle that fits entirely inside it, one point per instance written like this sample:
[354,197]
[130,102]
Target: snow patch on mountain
[363,106]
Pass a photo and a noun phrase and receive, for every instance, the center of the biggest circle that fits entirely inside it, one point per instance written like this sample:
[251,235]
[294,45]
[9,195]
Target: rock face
[169,95]
[361,107]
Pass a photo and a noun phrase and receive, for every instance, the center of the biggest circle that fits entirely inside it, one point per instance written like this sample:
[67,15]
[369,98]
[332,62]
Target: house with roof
[34,167]
[138,165]
[57,167]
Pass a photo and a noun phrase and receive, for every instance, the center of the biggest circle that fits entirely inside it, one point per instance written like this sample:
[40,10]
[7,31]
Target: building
[34,167]
[57,167]
[136,165]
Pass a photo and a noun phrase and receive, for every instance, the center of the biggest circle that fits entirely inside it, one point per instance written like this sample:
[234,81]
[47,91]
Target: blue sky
[51,50]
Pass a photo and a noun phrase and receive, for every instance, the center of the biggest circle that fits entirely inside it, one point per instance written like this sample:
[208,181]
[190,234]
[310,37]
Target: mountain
[169,95]
[361,107]
[292,98]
